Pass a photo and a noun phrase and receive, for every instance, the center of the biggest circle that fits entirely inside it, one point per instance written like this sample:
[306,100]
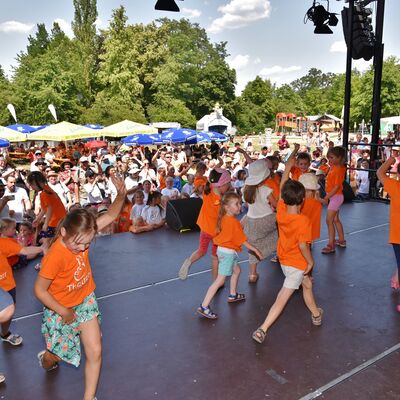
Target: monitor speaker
[182,214]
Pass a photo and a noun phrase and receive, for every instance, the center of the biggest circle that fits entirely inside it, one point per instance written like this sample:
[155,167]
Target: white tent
[215,122]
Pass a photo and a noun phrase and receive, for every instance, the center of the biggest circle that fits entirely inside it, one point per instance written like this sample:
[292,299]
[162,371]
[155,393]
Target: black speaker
[348,192]
[182,214]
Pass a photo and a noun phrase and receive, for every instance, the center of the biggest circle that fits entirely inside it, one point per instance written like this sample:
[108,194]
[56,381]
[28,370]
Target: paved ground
[156,347]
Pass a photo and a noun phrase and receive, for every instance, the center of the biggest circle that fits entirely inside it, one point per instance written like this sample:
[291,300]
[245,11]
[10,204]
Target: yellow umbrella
[11,135]
[125,128]
[63,131]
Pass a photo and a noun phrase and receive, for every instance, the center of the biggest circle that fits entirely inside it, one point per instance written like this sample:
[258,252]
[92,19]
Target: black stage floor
[157,347]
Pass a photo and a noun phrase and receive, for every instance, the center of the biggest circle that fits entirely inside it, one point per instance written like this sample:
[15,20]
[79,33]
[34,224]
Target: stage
[155,346]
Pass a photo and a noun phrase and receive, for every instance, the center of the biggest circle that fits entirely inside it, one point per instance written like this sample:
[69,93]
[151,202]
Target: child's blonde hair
[226,199]
[5,223]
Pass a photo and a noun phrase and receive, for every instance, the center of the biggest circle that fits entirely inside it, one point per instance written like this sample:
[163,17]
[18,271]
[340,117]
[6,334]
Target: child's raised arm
[289,164]
[383,169]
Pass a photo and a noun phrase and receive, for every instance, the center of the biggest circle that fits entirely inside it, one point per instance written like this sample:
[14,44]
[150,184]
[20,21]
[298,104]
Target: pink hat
[223,179]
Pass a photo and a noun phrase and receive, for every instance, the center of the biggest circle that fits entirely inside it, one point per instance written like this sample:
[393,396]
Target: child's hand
[391,160]
[119,184]
[290,162]
[258,253]
[308,269]
[68,316]
[296,147]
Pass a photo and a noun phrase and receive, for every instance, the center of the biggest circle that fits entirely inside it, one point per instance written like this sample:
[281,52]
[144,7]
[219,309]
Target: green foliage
[167,70]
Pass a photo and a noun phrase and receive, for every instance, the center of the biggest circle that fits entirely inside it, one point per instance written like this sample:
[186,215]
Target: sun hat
[221,180]
[38,152]
[52,173]
[309,181]
[258,172]
[66,162]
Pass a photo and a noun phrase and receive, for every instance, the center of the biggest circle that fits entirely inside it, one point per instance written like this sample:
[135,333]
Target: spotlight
[321,18]
[166,5]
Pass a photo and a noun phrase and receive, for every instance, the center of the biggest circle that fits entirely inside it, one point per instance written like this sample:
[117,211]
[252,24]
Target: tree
[39,43]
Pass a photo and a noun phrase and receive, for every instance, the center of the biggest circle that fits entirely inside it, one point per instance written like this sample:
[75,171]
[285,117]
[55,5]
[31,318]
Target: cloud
[65,27]
[338,47]
[15,27]
[191,13]
[239,13]
[239,62]
[277,69]
[257,61]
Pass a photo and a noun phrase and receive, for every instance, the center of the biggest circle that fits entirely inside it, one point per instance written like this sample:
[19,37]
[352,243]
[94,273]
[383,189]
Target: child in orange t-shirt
[66,287]
[9,247]
[392,187]
[52,208]
[302,165]
[294,255]
[124,220]
[334,197]
[229,239]
[219,183]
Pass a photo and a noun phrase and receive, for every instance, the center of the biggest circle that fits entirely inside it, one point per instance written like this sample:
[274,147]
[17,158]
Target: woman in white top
[95,190]
[259,224]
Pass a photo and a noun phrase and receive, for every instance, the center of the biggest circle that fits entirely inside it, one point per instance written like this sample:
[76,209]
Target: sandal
[328,249]
[206,312]
[259,335]
[341,243]
[40,358]
[12,338]
[317,321]
[395,282]
[233,298]
[253,278]
[2,377]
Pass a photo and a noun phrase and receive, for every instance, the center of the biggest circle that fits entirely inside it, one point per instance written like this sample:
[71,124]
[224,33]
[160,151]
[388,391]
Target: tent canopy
[61,132]
[125,128]
[11,135]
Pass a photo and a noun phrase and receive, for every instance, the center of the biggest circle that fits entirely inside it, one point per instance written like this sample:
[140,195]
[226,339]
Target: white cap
[133,171]
[258,172]
[83,159]
[309,181]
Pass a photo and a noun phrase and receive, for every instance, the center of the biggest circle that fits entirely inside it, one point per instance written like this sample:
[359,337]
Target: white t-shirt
[147,174]
[153,214]
[171,193]
[111,190]
[130,184]
[261,207]
[363,181]
[137,211]
[18,204]
[94,192]
[188,188]
[61,191]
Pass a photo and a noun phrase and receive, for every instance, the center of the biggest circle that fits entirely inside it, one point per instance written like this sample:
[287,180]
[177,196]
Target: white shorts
[293,277]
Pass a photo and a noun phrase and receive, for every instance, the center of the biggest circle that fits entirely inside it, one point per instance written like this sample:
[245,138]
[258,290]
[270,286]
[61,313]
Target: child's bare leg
[196,256]
[235,279]
[339,226]
[276,310]
[91,340]
[214,267]
[330,216]
[219,281]
[252,269]
[308,296]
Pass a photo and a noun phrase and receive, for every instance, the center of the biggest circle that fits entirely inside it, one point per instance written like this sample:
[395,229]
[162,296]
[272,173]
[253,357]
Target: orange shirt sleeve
[207,220]
[295,173]
[271,183]
[231,235]
[8,248]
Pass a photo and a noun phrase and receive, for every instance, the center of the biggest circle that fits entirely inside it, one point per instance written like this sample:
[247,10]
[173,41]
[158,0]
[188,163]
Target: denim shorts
[227,259]
[5,299]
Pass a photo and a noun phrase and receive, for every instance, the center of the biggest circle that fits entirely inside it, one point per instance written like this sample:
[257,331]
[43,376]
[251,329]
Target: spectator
[19,204]
[170,192]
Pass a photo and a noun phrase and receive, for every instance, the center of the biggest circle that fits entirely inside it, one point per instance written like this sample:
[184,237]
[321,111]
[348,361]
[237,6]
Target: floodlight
[166,5]
[321,18]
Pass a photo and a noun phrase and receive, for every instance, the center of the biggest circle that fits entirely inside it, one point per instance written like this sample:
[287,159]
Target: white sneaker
[2,377]
[183,272]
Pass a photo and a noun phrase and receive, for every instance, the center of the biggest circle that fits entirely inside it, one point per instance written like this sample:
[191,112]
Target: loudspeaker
[182,214]
[348,192]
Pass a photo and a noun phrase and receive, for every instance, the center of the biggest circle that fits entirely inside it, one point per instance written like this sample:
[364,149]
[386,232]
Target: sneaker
[40,358]
[274,259]
[317,321]
[2,377]
[341,243]
[12,338]
[206,312]
[183,272]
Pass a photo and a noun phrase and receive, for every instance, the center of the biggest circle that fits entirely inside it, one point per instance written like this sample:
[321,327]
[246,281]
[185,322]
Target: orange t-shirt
[124,219]
[207,220]
[293,229]
[58,209]
[8,247]
[295,173]
[161,179]
[70,273]
[312,209]
[12,260]
[231,235]
[393,188]
[335,177]
[324,168]
[277,178]
[271,183]
[200,181]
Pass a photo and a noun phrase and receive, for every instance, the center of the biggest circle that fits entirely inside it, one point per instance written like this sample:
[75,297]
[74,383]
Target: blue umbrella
[4,143]
[94,126]
[179,135]
[38,128]
[22,128]
[218,137]
[142,139]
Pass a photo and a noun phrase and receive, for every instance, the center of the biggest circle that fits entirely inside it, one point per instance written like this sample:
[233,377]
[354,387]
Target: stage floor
[157,347]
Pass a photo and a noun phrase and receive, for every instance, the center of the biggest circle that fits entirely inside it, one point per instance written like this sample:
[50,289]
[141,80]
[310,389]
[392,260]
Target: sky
[264,37]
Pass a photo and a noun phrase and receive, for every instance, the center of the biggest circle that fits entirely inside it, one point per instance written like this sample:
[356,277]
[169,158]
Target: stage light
[321,18]
[166,5]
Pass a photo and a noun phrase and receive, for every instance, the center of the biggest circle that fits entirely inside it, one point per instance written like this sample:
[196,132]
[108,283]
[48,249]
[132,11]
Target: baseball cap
[83,159]
[133,171]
